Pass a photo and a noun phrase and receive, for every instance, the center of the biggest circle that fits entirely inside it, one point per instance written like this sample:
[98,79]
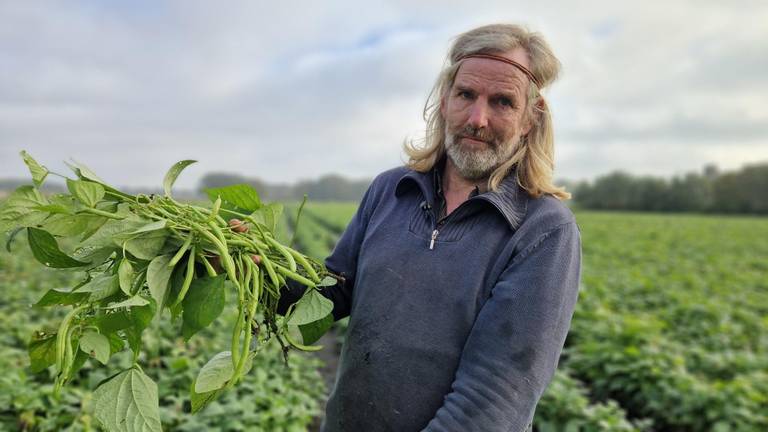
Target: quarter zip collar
[511,200]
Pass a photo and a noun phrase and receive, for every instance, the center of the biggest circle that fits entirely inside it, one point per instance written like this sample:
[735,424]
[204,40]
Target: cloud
[684,130]
[295,90]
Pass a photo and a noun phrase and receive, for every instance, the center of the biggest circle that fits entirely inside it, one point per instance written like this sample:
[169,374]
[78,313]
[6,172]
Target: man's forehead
[477,71]
[496,71]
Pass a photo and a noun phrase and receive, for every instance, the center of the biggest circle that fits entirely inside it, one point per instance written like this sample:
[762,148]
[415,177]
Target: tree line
[331,187]
[709,191]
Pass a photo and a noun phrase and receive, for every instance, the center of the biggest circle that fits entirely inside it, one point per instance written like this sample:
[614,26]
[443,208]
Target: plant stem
[106,214]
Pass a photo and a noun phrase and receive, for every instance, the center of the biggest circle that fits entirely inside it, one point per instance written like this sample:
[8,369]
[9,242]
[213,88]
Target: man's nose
[478,114]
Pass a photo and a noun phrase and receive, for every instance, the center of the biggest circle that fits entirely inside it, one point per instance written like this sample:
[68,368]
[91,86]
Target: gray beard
[476,164]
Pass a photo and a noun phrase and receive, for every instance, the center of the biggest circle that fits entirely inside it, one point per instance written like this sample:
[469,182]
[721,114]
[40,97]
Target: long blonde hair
[534,156]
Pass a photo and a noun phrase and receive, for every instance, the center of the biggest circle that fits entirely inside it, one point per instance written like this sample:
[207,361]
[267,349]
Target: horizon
[195,188]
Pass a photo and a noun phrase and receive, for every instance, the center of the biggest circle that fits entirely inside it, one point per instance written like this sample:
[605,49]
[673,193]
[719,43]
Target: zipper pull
[432,241]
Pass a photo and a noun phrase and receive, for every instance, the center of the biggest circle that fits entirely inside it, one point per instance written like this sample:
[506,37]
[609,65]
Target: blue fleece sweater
[456,326]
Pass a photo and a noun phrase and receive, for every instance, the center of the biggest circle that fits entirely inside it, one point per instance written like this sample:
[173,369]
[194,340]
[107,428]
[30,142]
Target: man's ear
[541,106]
[528,125]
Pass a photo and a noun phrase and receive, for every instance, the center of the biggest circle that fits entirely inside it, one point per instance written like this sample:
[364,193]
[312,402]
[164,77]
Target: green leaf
[46,250]
[173,173]
[88,193]
[158,275]
[125,275]
[141,316]
[327,281]
[140,279]
[116,343]
[110,323]
[310,308]
[18,210]
[62,203]
[56,297]
[42,351]
[54,208]
[65,225]
[268,215]
[147,245]
[38,171]
[127,402]
[312,332]
[112,229]
[101,286]
[133,301]
[95,345]
[202,304]
[95,226]
[152,226]
[83,171]
[211,379]
[215,374]
[201,400]
[177,280]
[95,255]
[241,198]
[80,358]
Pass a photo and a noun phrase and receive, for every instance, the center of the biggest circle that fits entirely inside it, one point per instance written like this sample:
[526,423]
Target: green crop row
[669,334]
[333,216]
[670,326]
[312,237]
[671,320]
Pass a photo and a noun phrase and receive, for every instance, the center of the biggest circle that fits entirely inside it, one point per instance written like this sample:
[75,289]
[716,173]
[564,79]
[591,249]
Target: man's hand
[237,226]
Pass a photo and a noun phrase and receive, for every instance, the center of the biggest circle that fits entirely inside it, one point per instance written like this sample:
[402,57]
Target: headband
[520,67]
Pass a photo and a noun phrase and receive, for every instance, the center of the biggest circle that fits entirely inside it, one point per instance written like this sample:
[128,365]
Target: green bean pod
[215,209]
[188,276]
[283,251]
[69,356]
[61,336]
[217,232]
[302,347]
[304,263]
[270,269]
[253,274]
[295,276]
[64,355]
[176,258]
[203,210]
[208,267]
[226,259]
[256,285]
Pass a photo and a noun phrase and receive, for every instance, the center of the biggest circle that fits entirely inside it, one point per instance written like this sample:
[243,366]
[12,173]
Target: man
[461,269]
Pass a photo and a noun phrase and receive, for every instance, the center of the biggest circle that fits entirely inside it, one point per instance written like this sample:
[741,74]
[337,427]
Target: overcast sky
[292,90]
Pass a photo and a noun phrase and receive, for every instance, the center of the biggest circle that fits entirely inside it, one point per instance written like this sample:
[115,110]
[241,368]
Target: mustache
[482,134]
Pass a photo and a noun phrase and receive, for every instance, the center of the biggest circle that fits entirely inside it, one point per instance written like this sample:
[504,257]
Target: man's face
[484,114]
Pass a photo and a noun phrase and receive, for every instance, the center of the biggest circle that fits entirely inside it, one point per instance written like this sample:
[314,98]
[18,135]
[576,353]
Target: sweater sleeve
[513,348]
[342,262]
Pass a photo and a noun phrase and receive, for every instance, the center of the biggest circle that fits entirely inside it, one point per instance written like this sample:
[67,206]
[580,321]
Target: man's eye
[464,94]
[506,102]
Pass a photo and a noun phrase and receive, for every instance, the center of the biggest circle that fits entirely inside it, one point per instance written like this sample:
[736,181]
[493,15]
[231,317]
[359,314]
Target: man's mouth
[473,139]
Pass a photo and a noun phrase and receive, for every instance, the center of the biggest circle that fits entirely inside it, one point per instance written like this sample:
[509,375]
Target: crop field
[670,334]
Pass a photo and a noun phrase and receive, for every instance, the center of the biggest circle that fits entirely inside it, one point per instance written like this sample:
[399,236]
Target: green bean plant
[140,255]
